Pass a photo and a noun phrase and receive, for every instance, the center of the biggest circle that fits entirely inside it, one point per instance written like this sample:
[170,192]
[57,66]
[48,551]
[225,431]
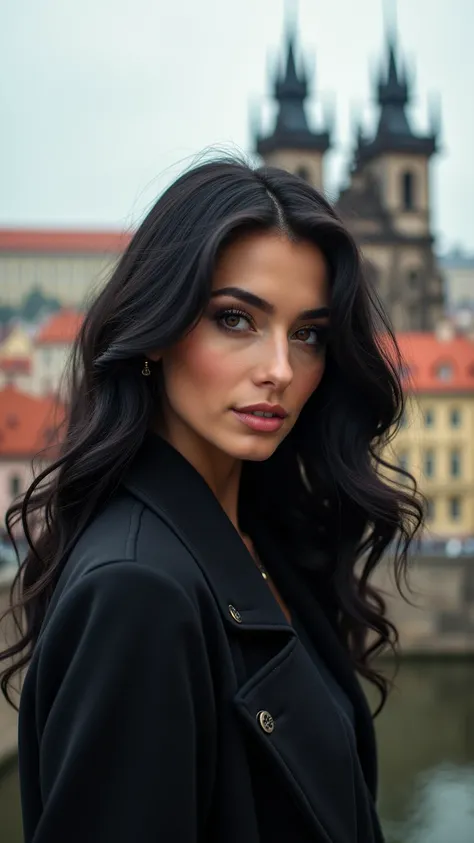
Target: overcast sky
[102,102]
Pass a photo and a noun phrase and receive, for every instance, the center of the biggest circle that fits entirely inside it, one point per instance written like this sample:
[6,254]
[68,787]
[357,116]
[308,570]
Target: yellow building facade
[436,440]
[436,446]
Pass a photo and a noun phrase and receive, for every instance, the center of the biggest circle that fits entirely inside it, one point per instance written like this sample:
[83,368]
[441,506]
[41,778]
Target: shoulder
[118,599]
[130,597]
[121,631]
[128,547]
[131,607]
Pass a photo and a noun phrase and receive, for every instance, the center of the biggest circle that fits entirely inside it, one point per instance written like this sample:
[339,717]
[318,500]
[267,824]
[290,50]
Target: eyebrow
[261,304]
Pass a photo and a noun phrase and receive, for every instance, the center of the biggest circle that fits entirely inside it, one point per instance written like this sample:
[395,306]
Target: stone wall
[440,616]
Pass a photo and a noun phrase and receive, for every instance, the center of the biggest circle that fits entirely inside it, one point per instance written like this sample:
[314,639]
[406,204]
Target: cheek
[307,380]
[199,364]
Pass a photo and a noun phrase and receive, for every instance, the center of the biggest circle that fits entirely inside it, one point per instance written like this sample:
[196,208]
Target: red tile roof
[27,423]
[64,241]
[60,329]
[15,365]
[435,365]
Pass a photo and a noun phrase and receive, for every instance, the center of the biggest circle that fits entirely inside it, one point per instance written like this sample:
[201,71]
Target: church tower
[387,204]
[292,144]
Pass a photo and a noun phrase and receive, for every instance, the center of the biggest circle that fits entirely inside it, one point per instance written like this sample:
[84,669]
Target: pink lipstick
[266,418]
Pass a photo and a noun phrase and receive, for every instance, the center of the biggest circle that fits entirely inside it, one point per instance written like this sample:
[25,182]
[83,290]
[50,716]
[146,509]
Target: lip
[276,409]
[260,423]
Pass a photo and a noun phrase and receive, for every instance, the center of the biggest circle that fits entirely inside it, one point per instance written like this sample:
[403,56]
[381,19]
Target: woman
[194,619]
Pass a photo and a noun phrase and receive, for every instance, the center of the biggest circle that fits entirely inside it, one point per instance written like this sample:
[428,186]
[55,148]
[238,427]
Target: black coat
[141,713]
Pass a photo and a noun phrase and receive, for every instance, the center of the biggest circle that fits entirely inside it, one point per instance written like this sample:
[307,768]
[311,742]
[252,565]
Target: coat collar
[170,486]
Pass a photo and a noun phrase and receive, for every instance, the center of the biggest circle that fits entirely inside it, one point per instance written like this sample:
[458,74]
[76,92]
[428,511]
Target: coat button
[266,721]
[235,614]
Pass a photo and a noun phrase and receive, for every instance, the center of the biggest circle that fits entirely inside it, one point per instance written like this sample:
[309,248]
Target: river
[426,751]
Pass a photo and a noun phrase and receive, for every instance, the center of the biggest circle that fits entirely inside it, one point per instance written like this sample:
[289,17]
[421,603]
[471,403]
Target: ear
[153,355]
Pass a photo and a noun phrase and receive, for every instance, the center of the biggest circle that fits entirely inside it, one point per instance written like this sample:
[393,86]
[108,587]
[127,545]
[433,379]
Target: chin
[260,457]
[257,451]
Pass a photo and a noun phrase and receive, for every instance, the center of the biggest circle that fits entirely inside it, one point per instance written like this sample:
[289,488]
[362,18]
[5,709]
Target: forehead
[275,268]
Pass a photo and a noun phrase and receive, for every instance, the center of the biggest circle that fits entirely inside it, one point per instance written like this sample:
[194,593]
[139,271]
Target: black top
[169,699]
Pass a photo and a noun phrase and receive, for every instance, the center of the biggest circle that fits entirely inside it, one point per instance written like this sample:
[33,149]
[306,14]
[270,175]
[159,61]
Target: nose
[274,367]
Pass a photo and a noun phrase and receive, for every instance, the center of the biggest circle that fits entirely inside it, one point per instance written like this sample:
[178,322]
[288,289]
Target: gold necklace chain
[260,567]
[254,555]
[270,584]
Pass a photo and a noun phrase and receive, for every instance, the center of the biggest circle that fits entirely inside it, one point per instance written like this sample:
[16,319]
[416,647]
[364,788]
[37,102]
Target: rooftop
[67,241]
[60,329]
[15,365]
[27,423]
[437,365]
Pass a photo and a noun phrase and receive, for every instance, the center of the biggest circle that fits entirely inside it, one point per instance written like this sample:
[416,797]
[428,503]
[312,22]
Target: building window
[413,278]
[408,190]
[455,463]
[430,509]
[403,460]
[455,417]
[444,372]
[429,417]
[429,463]
[303,173]
[49,435]
[455,508]
[404,372]
[15,485]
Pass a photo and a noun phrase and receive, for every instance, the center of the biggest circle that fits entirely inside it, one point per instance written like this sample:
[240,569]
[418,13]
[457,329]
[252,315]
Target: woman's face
[259,347]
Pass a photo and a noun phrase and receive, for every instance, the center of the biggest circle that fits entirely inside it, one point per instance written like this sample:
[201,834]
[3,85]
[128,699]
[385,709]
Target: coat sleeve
[125,712]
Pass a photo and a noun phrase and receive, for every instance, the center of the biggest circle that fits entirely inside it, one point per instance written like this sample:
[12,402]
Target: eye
[233,320]
[310,335]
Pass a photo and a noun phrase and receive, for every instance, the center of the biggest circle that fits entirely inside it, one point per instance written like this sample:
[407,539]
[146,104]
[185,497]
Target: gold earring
[146,370]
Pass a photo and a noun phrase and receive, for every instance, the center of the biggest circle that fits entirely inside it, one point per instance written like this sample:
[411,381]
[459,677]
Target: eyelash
[232,311]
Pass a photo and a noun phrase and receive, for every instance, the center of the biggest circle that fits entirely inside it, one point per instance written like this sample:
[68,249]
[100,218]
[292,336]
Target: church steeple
[394,132]
[387,202]
[393,97]
[290,87]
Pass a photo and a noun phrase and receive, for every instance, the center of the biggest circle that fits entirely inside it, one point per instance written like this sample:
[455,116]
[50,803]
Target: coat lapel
[292,584]
[170,486]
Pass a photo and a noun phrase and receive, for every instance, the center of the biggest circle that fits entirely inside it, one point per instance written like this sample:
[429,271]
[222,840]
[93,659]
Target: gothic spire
[290,89]
[393,95]
[394,131]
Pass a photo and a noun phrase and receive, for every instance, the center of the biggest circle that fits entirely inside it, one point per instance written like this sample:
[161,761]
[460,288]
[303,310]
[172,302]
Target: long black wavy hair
[339,507]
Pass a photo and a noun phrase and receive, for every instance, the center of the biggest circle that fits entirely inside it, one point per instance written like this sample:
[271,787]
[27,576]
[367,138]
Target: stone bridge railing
[441,621]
